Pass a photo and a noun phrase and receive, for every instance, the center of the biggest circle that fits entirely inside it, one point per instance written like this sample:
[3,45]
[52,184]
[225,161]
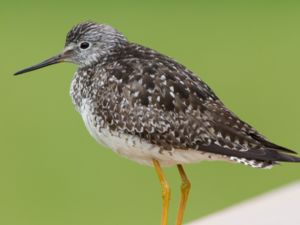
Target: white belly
[142,151]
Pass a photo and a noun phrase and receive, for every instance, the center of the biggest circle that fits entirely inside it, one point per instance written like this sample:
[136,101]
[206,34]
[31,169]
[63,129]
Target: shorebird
[151,109]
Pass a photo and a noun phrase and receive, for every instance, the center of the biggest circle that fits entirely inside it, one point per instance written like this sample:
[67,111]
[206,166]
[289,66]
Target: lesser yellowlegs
[151,109]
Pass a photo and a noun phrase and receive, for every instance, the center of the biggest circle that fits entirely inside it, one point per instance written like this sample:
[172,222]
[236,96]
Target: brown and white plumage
[145,105]
[140,95]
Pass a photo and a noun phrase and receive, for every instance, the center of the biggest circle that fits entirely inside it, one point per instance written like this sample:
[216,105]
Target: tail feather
[282,157]
[263,156]
[269,144]
[257,163]
[254,163]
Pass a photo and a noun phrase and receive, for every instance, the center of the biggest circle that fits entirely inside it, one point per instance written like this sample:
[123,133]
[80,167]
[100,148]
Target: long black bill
[53,60]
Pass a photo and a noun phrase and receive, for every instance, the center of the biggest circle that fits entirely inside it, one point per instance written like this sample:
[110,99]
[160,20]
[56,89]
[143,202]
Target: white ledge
[278,207]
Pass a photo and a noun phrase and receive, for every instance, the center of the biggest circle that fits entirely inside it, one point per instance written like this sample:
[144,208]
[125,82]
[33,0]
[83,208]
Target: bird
[149,108]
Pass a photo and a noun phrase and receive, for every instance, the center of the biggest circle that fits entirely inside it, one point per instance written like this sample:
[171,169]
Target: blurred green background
[53,172]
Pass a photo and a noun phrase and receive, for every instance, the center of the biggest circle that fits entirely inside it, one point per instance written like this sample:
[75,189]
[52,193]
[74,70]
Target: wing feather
[161,101]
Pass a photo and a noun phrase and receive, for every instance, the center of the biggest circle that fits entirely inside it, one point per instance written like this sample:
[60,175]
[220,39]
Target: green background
[53,173]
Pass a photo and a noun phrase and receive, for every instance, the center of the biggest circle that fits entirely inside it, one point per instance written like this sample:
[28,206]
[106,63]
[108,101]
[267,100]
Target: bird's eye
[84,45]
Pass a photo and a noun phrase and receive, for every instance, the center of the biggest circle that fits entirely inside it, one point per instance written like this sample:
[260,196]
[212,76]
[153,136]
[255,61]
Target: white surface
[278,207]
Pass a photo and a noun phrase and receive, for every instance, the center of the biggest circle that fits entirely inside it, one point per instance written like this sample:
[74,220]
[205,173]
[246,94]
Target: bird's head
[86,43]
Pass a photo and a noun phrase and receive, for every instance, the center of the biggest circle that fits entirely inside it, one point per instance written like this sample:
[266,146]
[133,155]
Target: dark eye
[84,45]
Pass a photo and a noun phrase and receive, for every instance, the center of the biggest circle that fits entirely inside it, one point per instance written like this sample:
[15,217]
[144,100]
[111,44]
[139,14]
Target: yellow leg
[185,189]
[165,192]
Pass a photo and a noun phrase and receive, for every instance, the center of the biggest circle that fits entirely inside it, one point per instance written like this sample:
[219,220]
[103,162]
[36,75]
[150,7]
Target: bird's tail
[260,158]
[271,157]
